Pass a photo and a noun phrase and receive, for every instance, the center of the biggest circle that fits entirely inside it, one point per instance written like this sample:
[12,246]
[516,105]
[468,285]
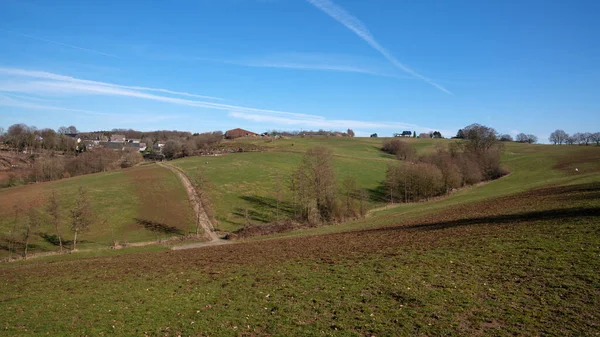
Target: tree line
[560,137]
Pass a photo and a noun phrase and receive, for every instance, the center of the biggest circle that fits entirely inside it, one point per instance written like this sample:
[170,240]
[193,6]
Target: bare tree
[33,221]
[315,185]
[595,138]
[62,130]
[506,138]
[53,209]
[558,137]
[12,237]
[171,149]
[72,130]
[81,215]
[350,133]
[363,197]
[522,138]
[532,139]
[349,195]
[480,138]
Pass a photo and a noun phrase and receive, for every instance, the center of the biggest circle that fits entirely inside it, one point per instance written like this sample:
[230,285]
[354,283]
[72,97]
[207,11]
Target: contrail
[60,43]
[355,25]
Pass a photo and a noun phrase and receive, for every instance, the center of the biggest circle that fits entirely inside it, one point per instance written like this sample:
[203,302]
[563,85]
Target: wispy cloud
[318,62]
[60,43]
[360,29]
[62,78]
[140,117]
[24,83]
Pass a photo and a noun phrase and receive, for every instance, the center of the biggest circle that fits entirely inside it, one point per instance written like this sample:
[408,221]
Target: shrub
[401,149]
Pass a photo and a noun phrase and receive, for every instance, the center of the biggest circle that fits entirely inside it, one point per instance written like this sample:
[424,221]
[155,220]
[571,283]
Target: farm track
[199,211]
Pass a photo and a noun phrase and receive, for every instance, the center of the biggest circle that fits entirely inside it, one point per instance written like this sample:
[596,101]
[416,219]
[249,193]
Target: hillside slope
[123,201]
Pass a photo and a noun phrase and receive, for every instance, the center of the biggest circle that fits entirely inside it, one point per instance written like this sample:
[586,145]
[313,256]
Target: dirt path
[198,209]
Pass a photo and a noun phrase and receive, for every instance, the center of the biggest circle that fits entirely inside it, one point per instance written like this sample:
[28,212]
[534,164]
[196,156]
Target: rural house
[237,133]
[403,134]
[118,139]
[424,135]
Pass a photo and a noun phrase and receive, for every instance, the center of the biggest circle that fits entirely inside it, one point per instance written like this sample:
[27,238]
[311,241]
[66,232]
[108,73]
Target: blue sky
[374,66]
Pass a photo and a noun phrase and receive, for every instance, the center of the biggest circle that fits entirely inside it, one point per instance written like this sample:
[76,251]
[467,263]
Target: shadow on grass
[264,209]
[158,227]
[556,215]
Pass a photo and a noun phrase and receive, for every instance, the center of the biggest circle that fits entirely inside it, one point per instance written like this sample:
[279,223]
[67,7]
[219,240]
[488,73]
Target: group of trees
[27,222]
[193,144]
[475,159]
[22,137]
[48,167]
[560,137]
[317,195]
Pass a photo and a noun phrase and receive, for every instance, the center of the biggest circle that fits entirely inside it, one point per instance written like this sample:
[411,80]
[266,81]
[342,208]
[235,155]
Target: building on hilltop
[403,134]
[237,133]
[424,135]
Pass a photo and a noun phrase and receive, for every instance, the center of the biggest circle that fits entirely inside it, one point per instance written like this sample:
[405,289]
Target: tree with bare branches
[53,209]
[81,215]
[315,185]
[34,220]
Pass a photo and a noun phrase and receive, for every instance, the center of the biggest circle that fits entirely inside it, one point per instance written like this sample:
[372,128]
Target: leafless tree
[595,138]
[522,138]
[53,209]
[480,138]
[12,235]
[506,138]
[558,137]
[315,185]
[81,215]
[33,221]
[350,133]
[532,139]
[171,149]
[401,149]
[349,196]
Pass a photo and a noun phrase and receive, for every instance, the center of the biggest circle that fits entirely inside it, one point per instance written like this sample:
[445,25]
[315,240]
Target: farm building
[237,133]
[403,134]
[424,135]
[118,138]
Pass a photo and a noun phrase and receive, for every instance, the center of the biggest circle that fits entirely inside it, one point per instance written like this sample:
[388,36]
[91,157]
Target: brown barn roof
[237,133]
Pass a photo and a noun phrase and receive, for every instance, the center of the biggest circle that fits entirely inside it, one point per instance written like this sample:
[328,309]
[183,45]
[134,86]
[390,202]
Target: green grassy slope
[522,264]
[118,198]
[247,180]
[515,256]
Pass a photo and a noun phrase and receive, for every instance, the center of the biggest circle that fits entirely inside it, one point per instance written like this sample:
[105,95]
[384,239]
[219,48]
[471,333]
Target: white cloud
[360,29]
[62,78]
[319,62]
[44,83]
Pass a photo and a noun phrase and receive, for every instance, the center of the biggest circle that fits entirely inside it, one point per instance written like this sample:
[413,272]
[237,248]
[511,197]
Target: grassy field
[119,200]
[524,264]
[515,256]
[248,180]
